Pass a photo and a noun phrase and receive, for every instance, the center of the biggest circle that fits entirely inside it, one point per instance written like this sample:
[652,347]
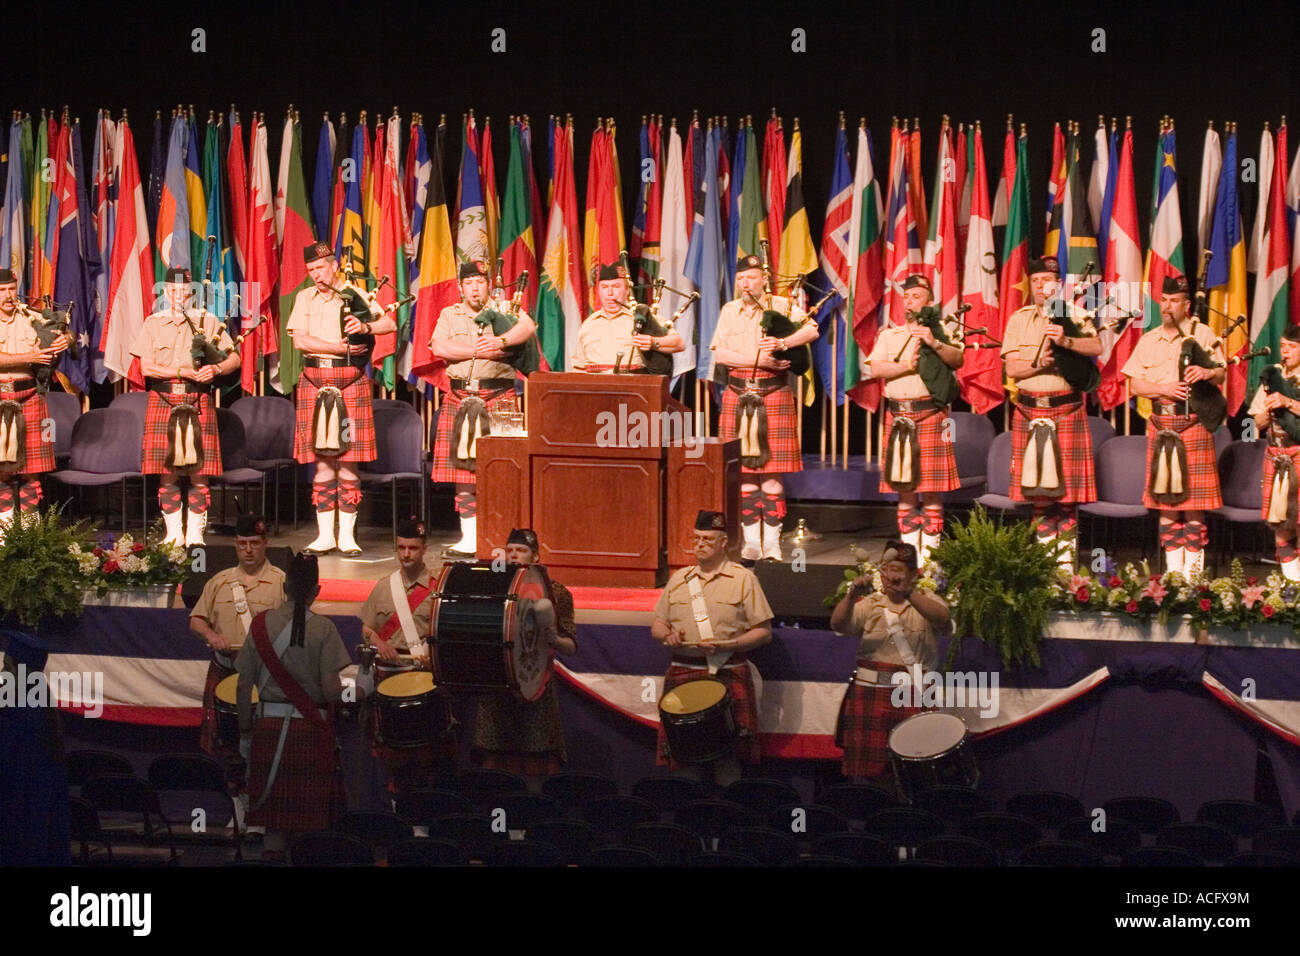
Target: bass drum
[697,720]
[932,749]
[485,633]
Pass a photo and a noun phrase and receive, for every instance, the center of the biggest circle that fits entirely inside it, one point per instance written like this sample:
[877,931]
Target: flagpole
[834,390]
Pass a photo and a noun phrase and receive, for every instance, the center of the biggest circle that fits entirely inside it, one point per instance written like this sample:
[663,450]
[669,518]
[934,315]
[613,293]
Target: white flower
[129,563]
[144,564]
[176,553]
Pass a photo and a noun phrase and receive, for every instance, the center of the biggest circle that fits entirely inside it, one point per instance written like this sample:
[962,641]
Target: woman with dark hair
[292,659]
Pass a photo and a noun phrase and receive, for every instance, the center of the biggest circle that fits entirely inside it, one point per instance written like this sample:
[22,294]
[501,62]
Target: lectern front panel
[597,513]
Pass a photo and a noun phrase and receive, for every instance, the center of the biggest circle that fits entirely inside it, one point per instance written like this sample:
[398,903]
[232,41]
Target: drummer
[230,600]
[399,632]
[712,615]
[512,734]
[897,630]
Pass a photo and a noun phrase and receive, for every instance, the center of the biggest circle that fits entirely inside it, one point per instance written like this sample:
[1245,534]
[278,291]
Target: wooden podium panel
[709,481]
[503,500]
[599,521]
[569,413]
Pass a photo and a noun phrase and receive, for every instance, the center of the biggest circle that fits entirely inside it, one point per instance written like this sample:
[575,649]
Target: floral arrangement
[128,563]
[1235,601]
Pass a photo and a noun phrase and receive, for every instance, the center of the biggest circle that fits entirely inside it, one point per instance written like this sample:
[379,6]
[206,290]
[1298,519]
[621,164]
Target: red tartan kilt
[744,708]
[1294,454]
[1202,464]
[306,785]
[938,465]
[208,739]
[1076,451]
[39,456]
[443,470]
[867,715]
[355,387]
[158,411]
[782,424]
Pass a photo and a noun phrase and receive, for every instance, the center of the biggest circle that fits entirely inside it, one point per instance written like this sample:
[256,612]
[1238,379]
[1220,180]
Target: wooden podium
[607,477]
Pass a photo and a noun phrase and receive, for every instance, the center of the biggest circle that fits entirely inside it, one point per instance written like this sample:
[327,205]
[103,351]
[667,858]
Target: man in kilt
[222,617]
[608,337]
[479,381]
[180,421]
[335,424]
[920,461]
[1182,464]
[26,444]
[1280,414]
[394,635]
[711,616]
[897,630]
[754,375]
[1054,470]
[515,735]
[293,658]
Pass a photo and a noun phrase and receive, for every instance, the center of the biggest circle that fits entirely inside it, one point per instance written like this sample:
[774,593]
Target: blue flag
[705,253]
[1108,201]
[13,238]
[157,171]
[73,283]
[733,219]
[833,310]
[323,183]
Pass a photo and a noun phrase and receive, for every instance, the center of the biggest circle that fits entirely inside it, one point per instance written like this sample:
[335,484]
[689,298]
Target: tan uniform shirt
[456,324]
[1257,406]
[738,326]
[602,339]
[888,342]
[1023,335]
[166,338]
[321,655]
[17,337]
[870,622]
[732,594]
[1155,357]
[379,608]
[216,604]
[318,314]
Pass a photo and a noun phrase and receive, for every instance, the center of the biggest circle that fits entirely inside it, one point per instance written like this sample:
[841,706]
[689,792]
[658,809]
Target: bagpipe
[524,357]
[202,350]
[49,323]
[778,325]
[1273,379]
[645,321]
[1079,371]
[939,377]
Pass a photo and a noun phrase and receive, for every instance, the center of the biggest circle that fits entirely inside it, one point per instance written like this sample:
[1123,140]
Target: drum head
[928,735]
[228,688]
[411,684]
[693,696]
[531,655]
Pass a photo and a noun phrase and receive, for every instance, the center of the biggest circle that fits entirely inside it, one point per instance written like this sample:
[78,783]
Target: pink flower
[1267,610]
[1250,596]
[1078,581]
[1204,604]
[1131,607]
[1081,595]
[1155,590]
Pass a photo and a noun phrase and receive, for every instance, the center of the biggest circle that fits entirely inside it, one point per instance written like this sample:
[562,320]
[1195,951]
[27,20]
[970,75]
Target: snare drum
[484,632]
[410,711]
[930,749]
[697,721]
[227,711]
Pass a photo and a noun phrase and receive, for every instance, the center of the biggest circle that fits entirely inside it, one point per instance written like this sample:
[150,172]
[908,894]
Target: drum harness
[700,611]
[402,603]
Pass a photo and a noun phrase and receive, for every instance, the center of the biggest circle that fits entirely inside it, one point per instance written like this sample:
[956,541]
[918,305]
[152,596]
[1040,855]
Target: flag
[774,184]
[1056,195]
[391,258]
[1270,312]
[603,230]
[562,294]
[173,235]
[421,167]
[297,232]
[941,265]
[13,242]
[897,264]
[104,183]
[76,261]
[130,289]
[916,195]
[471,213]
[1123,276]
[1293,228]
[350,239]
[198,206]
[835,267]
[866,273]
[491,201]
[1098,177]
[323,177]
[157,172]
[1078,241]
[748,224]
[1226,277]
[1165,246]
[1211,161]
[435,283]
[798,257]
[344,172]
[980,374]
[674,244]
[964,162]
[518,246]
[647,225]
[263,347]
[705,252]
[1013,281]
[237,177]
[1107,198]
[42,279]
[1256,248]
[374,198]
[223,261]
[539,214]
[1007,181]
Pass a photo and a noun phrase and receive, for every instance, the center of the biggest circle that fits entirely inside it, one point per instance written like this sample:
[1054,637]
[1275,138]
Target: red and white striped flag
[981,372]
[130,290]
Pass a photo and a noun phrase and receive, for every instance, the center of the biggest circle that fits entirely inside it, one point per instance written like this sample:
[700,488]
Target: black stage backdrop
[1195,62]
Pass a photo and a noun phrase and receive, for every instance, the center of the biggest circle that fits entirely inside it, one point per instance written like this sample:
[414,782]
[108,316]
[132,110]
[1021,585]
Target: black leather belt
[173,387]
[484,384]
[17,385]
[762,386]
[904,405]
[316,361]
[1028,400]
[1169,408]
